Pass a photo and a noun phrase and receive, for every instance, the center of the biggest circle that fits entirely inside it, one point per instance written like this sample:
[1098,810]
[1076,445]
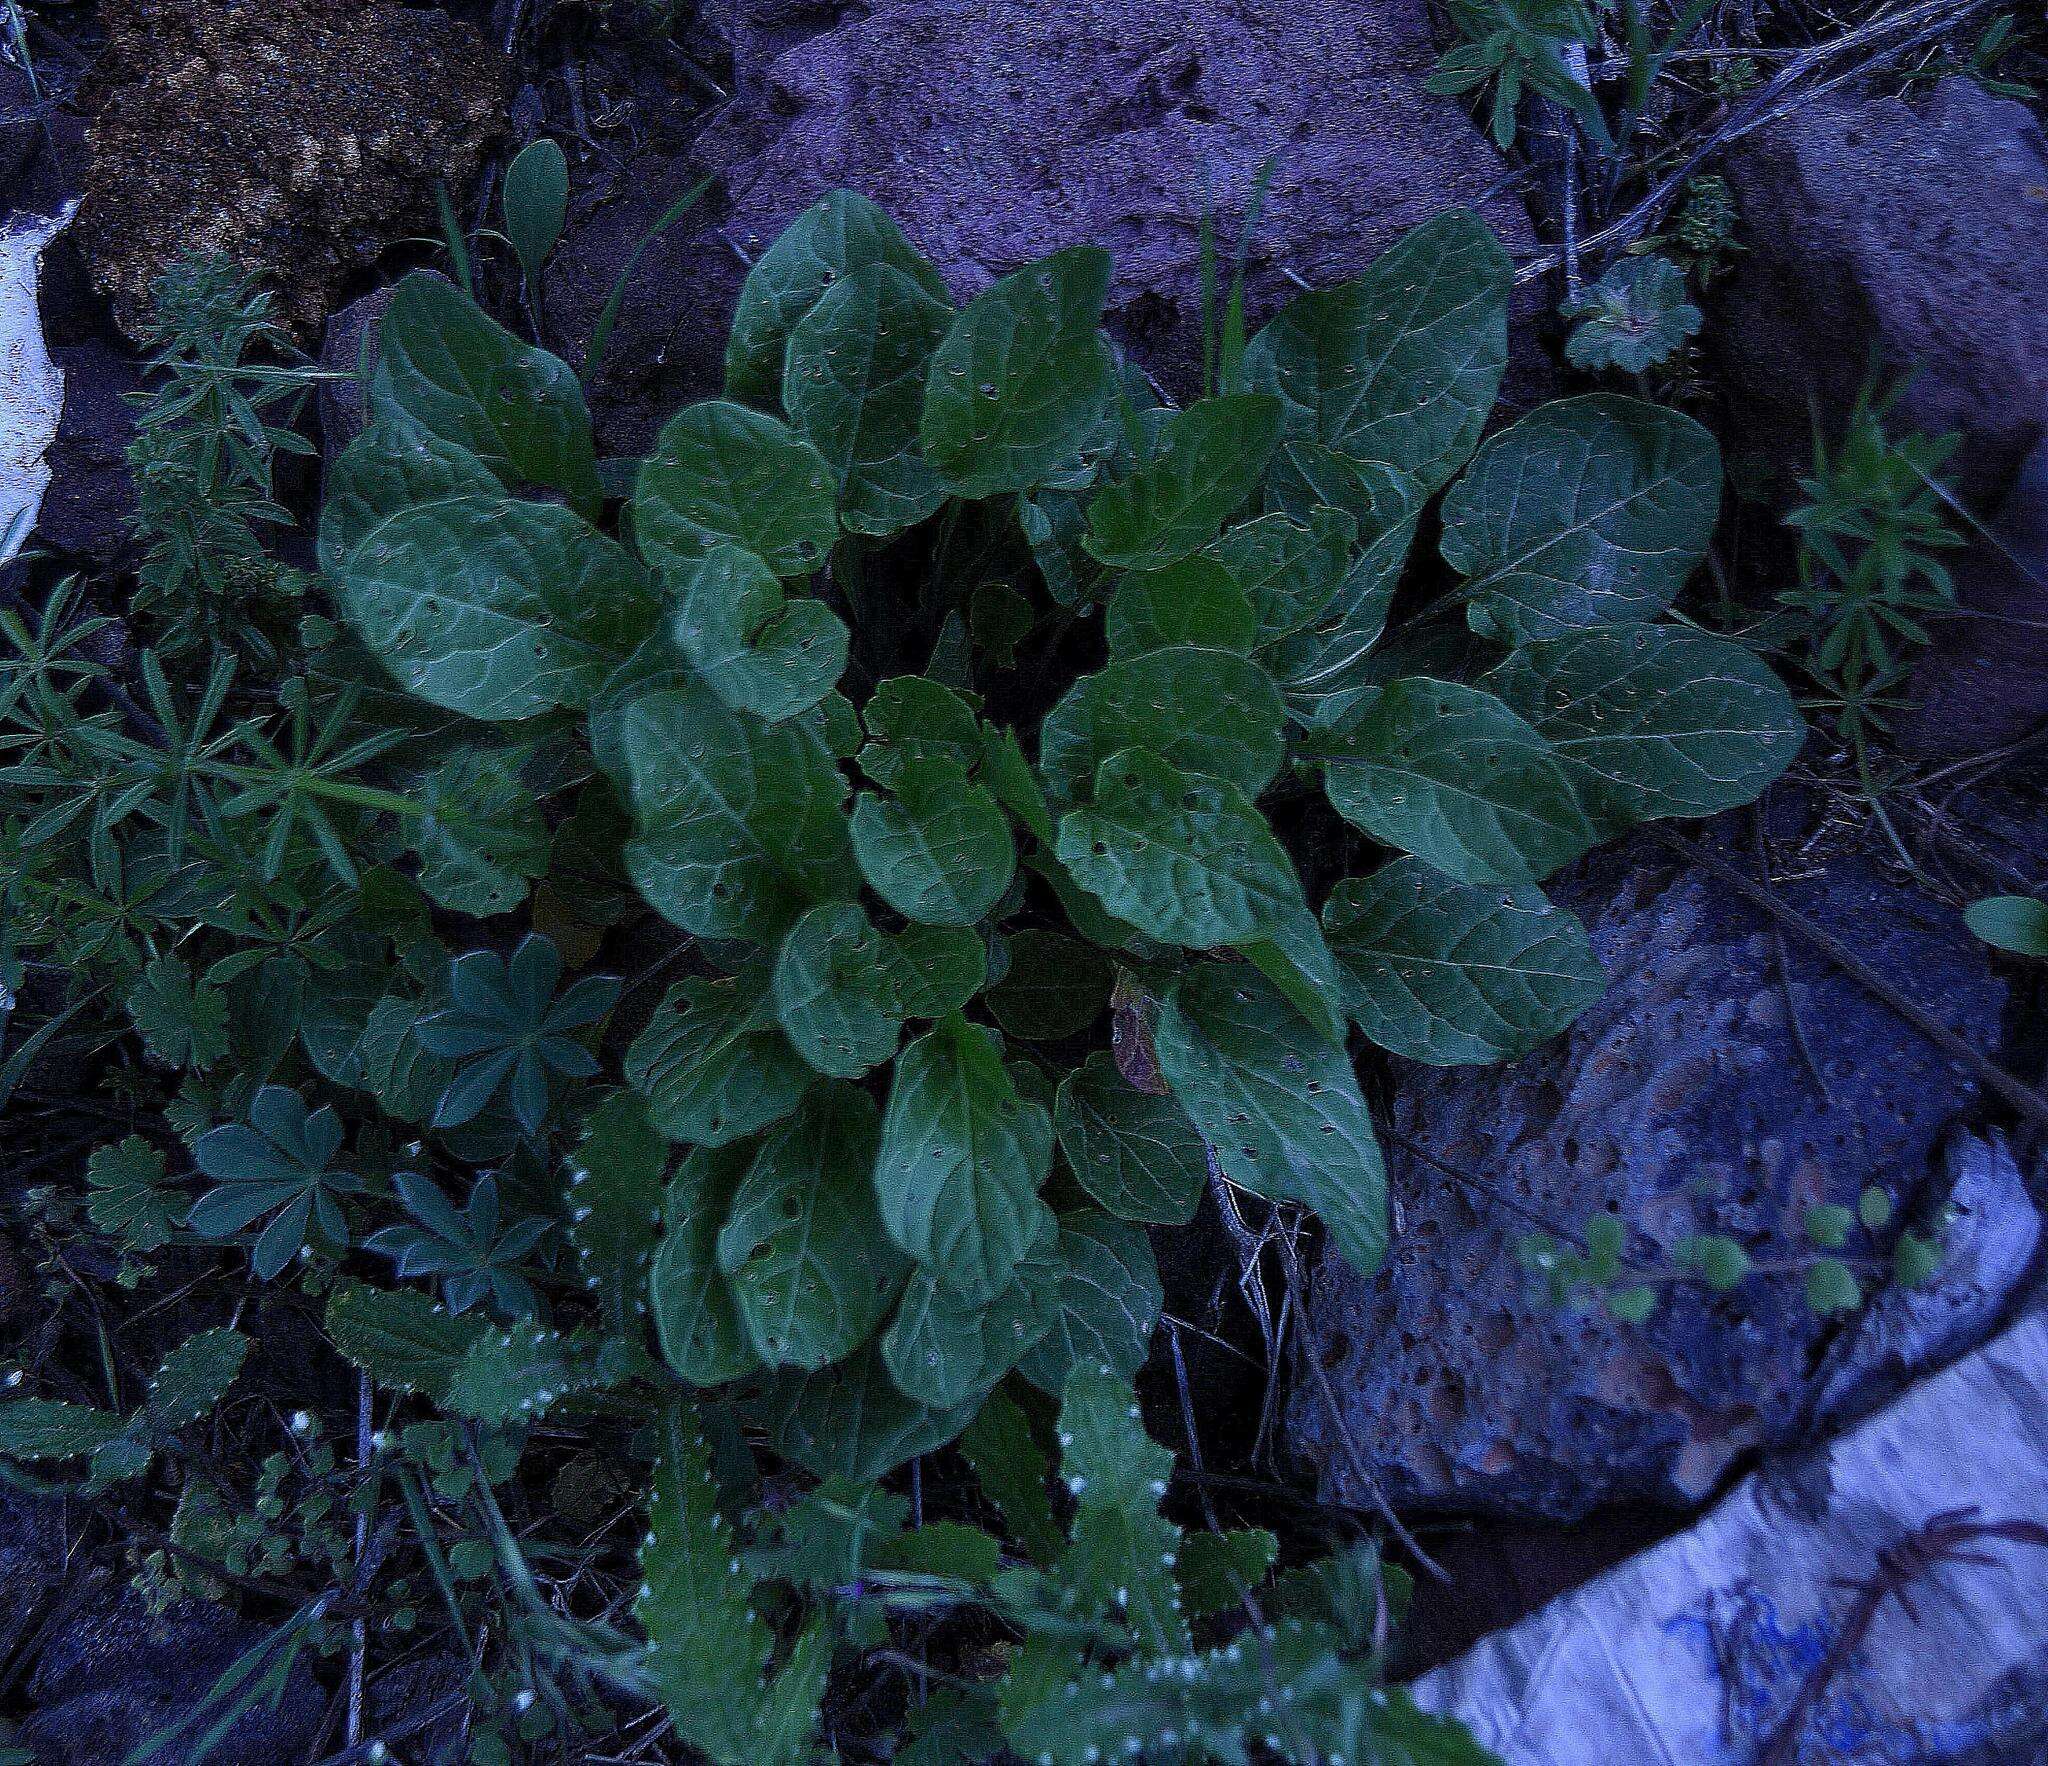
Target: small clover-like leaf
[129,1198]
[184,1022]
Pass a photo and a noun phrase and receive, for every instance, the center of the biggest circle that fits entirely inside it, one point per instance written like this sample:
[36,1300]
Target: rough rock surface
[298,137]
[114,1676]
[1915,230]
[19,133]
[1985,681]
[1682,1102]
[1709,1648]
[998,130]
[31,1562]
[349,346]
[86,510]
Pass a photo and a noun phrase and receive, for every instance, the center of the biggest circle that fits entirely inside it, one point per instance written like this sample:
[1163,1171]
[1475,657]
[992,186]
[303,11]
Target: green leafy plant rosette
[1009,795]
[868,1185]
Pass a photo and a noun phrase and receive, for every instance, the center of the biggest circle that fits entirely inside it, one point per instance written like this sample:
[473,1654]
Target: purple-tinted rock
[995,131]
[1682,1103]
[1911,231]
[115,1675]
[1985,681]
[91,498]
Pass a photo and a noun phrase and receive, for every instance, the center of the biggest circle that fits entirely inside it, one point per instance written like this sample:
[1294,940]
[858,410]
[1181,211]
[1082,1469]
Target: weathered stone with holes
[1681,1102]
[296,137]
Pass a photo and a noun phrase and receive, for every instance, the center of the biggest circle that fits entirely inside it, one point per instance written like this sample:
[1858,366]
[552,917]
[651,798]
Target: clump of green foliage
[207,435]
[1871,527]
[1635,317]
[1510,49]
[1023,787]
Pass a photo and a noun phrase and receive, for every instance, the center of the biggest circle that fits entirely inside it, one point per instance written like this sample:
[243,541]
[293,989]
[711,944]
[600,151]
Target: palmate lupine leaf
[510,1030]
[280,1164]
[473,1252]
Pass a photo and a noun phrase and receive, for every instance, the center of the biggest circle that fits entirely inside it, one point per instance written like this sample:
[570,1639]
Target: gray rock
[349,346]
[117,1675]
[1682,1103]
[998,130]
[1913,230]
[90,501]
[31,1562]
[1985,681]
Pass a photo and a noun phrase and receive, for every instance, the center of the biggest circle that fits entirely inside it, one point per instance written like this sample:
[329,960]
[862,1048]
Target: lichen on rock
[296,137]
